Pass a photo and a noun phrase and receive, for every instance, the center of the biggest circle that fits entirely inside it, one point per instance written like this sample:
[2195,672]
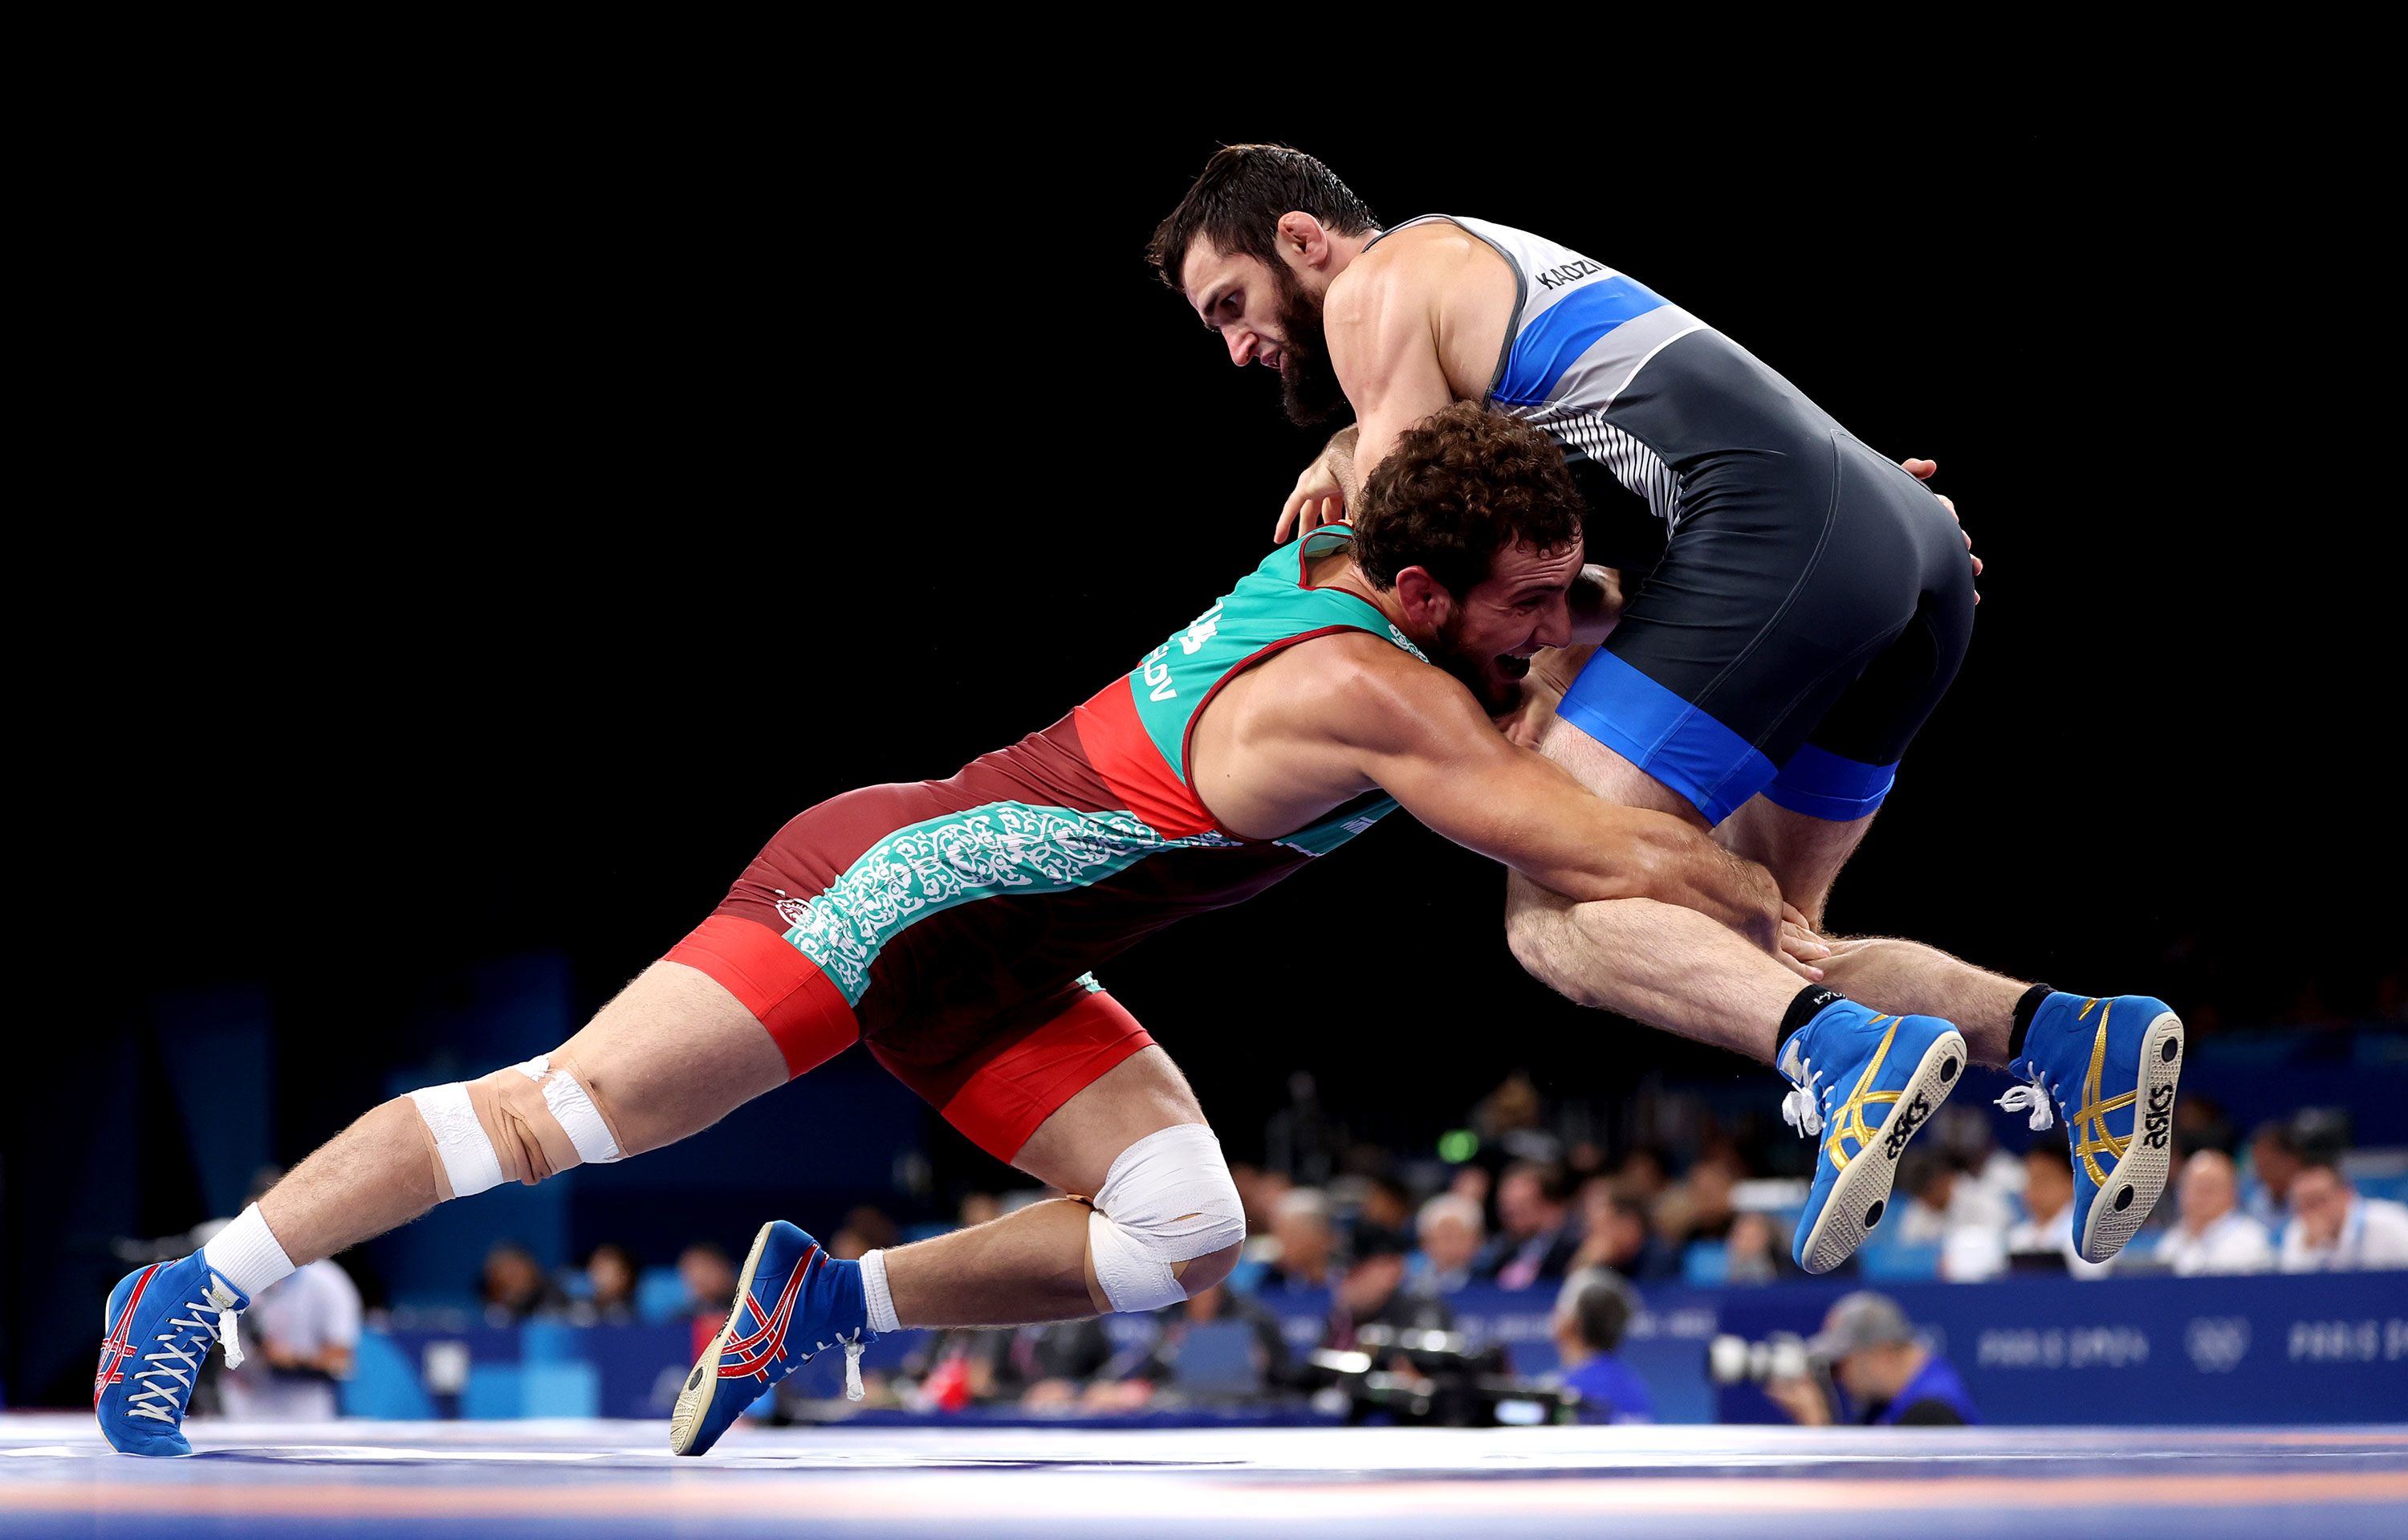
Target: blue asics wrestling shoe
[160,1322]
[2108,1067]
[792,1303]
[1864,1084]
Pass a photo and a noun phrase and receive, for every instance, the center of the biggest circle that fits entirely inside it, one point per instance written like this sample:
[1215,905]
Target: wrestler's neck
[1339,571]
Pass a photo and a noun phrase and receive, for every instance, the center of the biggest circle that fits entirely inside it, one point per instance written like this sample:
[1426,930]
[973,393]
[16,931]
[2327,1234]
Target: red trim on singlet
[1120,750]
[806,1015]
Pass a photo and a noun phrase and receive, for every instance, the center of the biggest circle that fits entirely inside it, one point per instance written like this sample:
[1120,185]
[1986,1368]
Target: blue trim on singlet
[1667,737]
[1822,785]
[1553,340]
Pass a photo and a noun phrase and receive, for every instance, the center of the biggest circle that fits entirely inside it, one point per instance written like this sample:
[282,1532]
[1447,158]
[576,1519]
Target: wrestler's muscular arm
[1334,717]
[1413,325]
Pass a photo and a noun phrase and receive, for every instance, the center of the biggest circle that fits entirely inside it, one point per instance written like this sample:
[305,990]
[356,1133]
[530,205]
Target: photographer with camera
[1884,1373]
[1591,1314]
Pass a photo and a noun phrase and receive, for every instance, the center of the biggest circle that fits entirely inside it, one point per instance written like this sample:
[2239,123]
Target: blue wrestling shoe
[792,1303]
[1866,1084]
[159,1324]
[2108,1067]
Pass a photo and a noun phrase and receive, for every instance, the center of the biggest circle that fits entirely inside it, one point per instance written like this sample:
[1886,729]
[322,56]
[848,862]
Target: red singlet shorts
[956,1005]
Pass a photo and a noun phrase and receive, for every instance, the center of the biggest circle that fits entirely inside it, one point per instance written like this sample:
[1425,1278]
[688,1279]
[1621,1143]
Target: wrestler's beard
[1495,681]
[1308,387]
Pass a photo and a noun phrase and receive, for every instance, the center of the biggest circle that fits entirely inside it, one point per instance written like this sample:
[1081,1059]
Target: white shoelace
[158,1401]
[2033,1099]
[853,1390]
[1800,1109]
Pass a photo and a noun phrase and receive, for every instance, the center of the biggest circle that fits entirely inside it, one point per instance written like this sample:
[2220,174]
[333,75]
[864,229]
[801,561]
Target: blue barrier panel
[2319,1348]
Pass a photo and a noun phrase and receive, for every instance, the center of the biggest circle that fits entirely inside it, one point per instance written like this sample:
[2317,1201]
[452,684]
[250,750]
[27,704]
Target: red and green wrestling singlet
[951,924]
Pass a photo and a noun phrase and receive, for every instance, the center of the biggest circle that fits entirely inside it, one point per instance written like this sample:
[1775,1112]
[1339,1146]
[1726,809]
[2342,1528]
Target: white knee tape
[1168,1198]
[577,1115]
[532,1108]
[470,1164]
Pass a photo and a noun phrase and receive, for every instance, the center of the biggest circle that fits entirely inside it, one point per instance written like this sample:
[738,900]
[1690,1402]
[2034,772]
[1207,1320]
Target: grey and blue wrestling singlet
[1798,604]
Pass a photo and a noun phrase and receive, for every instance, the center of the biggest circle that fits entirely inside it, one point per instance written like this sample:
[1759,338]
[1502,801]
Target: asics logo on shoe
[1901,1127]
[2158,1124]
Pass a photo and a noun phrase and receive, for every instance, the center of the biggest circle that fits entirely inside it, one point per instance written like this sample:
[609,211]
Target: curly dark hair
[1236,202]
[1461,486]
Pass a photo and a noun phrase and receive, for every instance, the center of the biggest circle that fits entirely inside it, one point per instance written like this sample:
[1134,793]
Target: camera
[1734,1360]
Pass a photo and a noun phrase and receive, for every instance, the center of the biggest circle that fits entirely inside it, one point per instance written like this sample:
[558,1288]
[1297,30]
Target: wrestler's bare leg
[1670,967]
[1033,1265]
[1804,854]
[672,1054]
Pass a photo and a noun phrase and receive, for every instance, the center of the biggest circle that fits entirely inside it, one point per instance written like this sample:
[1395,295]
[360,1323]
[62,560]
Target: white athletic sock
[873,1287]
[244,1253]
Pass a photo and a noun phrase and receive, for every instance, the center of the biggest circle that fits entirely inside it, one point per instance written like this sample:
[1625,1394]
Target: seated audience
[1536,1241]
[1450,1229]
[1371,1291]
[2209,1233]
[2335,1228]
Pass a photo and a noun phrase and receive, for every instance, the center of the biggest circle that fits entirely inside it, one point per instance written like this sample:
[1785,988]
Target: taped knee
[1167,1200]
[522,1124]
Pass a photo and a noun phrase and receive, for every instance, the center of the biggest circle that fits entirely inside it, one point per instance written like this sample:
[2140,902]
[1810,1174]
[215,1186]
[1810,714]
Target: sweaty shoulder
[1436,280]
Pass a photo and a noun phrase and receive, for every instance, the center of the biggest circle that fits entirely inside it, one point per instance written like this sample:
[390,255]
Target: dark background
[499,523]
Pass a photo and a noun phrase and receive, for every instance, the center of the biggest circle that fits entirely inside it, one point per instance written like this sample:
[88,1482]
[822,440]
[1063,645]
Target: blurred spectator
[1259,1193]
[515,1287]
[2334,1229]
[1890,1378]
[1699,1207]
[1929,1181]
[1536,1241]
[865,1229]
[1614,1234]
[1472,1182]
[1451,1231]
[1754,1252]
[299,1338]
[1967,1137]
[1371,1291]
[2200,1124]
[1642,1174]
[1301,1139]
[1947,1206]
[980,1207]
[2273,1162]
[710,1280]
[1387,1201]
[2211,1234]
[1158,1361]
[1592,1311]
[1040,1367]
[1511,1123]
[1302,1226]
[2047,1228]
[610,1282]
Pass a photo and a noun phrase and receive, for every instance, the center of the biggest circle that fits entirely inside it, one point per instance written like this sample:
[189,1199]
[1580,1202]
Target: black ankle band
[1803,1009]
[2026,1009]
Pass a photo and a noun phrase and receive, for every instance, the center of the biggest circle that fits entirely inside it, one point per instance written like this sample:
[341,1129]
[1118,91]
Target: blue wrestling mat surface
[614,1481]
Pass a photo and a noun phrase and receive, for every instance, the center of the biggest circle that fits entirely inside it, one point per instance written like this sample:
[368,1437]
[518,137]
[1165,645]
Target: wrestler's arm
[1418,734]
[1382,324]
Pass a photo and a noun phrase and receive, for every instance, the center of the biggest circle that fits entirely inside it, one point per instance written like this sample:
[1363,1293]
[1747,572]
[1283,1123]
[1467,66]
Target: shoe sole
[1861,1194]
[694,1401]
[2135,1182]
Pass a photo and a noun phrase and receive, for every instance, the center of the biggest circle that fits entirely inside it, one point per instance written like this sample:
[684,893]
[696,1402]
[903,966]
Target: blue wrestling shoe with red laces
[1866,1085]
[158,1327]
[2109,1068]
[792,1303]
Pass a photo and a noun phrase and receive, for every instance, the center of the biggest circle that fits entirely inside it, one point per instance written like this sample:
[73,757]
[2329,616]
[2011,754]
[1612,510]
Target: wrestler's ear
[1428,604]
[1302,241]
